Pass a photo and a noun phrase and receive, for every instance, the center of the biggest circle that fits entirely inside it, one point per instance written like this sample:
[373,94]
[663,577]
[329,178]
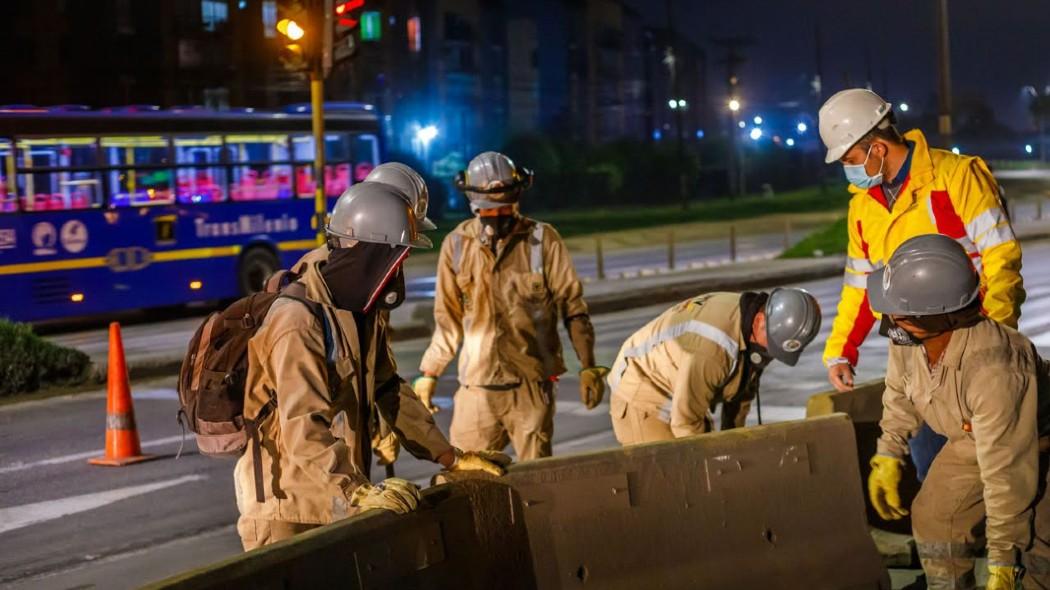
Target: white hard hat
[409,182]
[848,116]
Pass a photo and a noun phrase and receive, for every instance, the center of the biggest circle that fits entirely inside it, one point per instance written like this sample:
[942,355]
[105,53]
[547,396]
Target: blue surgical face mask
[858,176]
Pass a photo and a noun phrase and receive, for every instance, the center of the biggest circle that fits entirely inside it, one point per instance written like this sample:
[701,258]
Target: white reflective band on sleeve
[855,280]
[990,228]
[457,251]
[859,265]
[699,328]
[536,249]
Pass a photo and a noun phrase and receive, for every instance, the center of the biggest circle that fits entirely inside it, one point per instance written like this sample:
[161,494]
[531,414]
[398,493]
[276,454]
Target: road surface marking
[17,517]
[19,466]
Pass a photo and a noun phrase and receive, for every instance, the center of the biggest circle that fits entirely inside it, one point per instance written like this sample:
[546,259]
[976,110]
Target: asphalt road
[66,524]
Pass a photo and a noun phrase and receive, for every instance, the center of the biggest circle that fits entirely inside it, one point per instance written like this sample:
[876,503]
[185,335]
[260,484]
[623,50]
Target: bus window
[199,177]
[139,173]
[365,148]
[261,170]
[337,164]
[58,173]
[8,202]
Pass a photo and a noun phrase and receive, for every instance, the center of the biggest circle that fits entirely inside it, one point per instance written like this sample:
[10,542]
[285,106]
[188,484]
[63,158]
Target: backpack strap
[457,251]
[536,248]
[252,426]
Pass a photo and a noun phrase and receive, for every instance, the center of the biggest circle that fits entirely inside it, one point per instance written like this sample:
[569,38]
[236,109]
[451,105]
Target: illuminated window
[269,18]
[58,173]
[264,172]
[140,175]
[415,35]
[337,164]
[199,177]
[214,13]
[365,148]
[8,200]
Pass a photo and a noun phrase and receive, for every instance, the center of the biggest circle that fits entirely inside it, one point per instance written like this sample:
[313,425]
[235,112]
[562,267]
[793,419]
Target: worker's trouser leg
[1036,559]
[948,518]
[633,425]
[257,532]
[487,419]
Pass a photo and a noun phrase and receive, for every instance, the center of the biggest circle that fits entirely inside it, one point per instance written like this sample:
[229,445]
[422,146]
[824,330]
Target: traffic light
[347,17]
[297,35]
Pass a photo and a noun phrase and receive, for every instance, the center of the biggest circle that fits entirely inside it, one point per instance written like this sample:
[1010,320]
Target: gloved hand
[592,385]
[386,448]
[882,487]
[492,462]
[425,387]
[1004,577]
[394,494]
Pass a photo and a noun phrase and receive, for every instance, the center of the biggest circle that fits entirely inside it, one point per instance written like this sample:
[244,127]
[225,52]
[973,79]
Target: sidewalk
[158,348]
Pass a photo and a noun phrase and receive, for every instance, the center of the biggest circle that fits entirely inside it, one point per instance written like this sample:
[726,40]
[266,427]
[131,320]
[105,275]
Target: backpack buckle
[248,322]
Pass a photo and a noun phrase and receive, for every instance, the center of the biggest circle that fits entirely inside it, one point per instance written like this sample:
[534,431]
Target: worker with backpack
[317,366]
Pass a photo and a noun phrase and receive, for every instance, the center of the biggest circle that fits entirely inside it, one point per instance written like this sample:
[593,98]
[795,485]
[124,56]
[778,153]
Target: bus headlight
[76,297]
[196,285]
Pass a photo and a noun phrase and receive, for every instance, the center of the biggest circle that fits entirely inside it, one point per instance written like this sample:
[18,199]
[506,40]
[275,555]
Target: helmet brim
[877,300]
[835,154]
[788,358]
[426,225]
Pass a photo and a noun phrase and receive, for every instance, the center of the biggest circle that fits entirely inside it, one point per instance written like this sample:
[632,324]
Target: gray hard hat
[409,182]
[376,212]
[927,275]
[492,180]
[792,322]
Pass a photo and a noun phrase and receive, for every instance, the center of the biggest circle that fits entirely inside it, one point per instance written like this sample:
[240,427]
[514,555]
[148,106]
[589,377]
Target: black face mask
[897,334]
[394,295]
[497,227]
[360,276]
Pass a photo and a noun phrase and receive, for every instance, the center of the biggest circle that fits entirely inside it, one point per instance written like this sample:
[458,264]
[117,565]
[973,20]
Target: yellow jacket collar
[921,172]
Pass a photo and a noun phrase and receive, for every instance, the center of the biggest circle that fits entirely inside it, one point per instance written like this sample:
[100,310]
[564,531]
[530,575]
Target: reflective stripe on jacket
[504,307]
[985,395]
[943,193]
[315,443]
[682,363]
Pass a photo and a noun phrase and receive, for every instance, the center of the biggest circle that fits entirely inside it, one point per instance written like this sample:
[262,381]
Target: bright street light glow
[734,105]
[903,107]
[757,120]
[955,150]
[756,134]
[790,142]
[802,127]
[741,124]
[1027,148]
[672,103]
[699,133]
[426,134]
[681,103]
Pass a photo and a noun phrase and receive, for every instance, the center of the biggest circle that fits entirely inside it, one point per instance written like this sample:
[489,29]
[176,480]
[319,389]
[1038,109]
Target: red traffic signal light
[343,12]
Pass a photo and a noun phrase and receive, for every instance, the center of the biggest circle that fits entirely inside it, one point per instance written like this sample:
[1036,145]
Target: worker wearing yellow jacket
[903,188]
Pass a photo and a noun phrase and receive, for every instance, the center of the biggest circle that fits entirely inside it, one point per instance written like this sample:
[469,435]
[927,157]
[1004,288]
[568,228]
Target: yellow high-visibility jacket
[943,193]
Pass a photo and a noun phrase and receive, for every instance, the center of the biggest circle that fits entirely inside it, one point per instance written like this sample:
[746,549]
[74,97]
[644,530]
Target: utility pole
[671,59]
[944,86]
[732,61]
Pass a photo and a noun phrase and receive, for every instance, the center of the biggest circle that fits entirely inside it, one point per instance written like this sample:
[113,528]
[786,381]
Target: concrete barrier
[468,536]
[772,507]
[864,406]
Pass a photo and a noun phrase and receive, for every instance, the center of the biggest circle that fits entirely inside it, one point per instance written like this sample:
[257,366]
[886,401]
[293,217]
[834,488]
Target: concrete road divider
[772,507]
[864,406]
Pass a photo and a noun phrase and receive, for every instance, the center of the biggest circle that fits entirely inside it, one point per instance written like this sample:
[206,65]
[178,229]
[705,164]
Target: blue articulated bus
[104,211]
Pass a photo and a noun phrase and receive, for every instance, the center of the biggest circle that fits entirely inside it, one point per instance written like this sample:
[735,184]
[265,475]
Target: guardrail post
[732,243]
[670,249]
[599,258]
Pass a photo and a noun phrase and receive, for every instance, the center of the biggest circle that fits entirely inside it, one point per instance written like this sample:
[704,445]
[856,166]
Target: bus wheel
[257,265]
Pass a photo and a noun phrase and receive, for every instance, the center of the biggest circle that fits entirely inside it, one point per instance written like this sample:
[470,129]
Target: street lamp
[903,107]
[672,103]
[741,124]
[1028,148]
[790,142]
[757,120]
[426,134]
[734,105]
[801,127]
[756,134]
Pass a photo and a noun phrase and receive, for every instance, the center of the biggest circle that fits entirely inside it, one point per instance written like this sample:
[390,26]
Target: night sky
[998,46]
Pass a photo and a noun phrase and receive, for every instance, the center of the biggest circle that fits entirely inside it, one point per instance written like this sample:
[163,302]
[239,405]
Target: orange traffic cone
[122,438]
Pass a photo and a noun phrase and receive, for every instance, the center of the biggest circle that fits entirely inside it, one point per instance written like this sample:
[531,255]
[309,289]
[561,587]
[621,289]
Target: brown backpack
[215,369]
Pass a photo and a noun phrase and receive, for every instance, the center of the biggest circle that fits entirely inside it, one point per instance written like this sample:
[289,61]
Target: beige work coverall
[503,308]
[670,374]
[988,395]
[315,443]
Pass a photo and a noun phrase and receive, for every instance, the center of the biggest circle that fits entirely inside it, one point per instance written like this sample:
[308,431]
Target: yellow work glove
[425,387]
[386,448]
[394,494]
[592,385]
[1004,577]
[492,462]
[882,487]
